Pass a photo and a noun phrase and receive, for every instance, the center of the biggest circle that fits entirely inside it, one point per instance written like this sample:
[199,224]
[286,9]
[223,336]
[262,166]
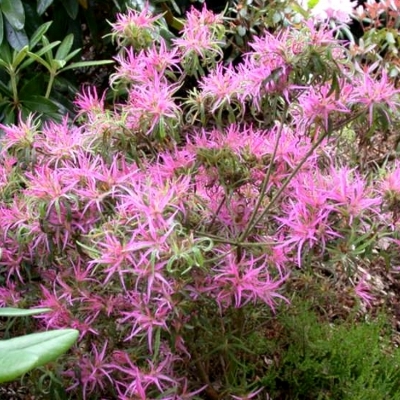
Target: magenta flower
[373,92]
[317,105]
[349,193]
[147,315]
[21,136]
[153,102]
[94,372]
[362,290]
[155,63]
[245,281]
[135,28]
[221,87]
[305,225]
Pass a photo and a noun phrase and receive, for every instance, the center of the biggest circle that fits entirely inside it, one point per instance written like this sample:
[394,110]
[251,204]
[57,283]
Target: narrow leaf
[40,60]
[65,47]
[19,312]
[82,64]
[19,57]
[38,34]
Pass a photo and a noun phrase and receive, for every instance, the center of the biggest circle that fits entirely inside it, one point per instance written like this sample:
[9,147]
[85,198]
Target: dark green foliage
[348,360]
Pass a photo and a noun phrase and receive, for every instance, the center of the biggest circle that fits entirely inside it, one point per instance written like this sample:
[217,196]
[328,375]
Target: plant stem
[50,85]
[266,179]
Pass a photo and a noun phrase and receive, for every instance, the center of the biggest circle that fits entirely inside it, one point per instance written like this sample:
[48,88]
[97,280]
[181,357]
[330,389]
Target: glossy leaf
[16,38]
[14,12]
[21,354]
[43,5]
[72,7]
[65,47]
[39,104]
[38,34]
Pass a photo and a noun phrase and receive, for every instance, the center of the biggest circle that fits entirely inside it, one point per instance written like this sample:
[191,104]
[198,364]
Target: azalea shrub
[166,226]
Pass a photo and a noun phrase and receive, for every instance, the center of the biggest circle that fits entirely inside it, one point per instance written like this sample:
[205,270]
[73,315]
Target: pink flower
[305,225]
[375,93]
[201,38]
[153,103]
[89,103]
[147,315]
[318,105]
[244,281]
[21,136]
[156,62]
[349,193]
[94,372]
[362,290]
[135,28]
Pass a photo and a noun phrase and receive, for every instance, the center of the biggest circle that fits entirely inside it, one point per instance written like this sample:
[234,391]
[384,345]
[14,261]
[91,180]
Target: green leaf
[82,64]
[5,52]
[38,34]
[13,364]
[72,54]
[36,84]
[16,38]
[39,59]
[5,89]
[65,47]
[312,3]
[1,28]
[39,104]
[18,58]
[21,354]
[43,5]
[14,12]
[20,312]
[72,7]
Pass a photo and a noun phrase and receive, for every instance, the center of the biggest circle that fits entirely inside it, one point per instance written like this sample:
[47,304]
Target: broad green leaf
[39,104]
[32,351]
[1,28]
[43,5]
[14,12]
[38,34]
[16,38]
[34,85]
[65,47]
[20,312]
[15,363]
[82,64]
[72,7]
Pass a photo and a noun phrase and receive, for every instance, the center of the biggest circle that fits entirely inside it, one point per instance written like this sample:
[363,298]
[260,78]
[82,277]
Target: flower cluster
[154,226]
